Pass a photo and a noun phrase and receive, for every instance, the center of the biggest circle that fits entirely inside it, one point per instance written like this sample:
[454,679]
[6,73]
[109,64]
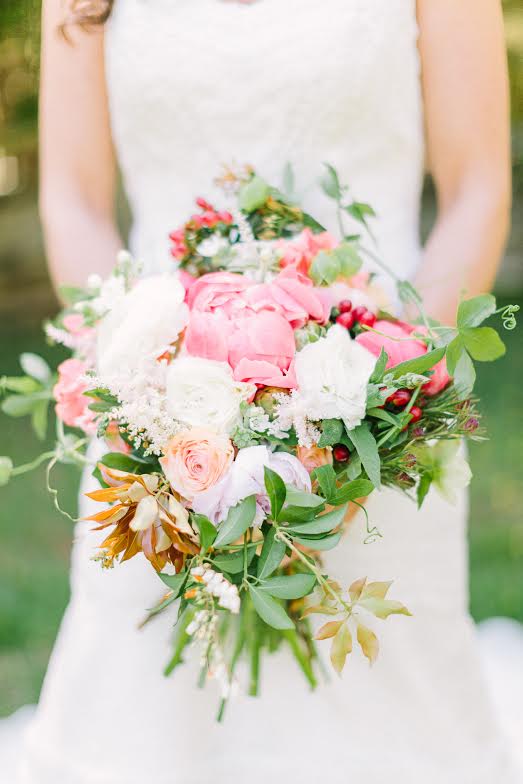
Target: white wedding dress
[194,84]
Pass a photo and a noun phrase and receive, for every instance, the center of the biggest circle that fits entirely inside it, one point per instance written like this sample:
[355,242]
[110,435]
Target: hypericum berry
[367,319]
[224,217]
[359,312]
[345,305]
[400,398]
[341,453]
[410,460]
[418,432]
[345,320]
[415,414]
[203,203]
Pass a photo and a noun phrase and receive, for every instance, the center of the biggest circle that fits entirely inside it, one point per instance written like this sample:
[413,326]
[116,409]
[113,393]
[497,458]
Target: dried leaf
[341,647]
[356,588]
[145,515]
[368,643]
[377,590]
[328,630]
[320,609]
[382,608]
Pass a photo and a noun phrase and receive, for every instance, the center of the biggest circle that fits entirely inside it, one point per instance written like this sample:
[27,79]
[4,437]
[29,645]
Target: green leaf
[271,555]
[302,498]
[253,194]
[473,312]
[39,419]
[348,258]
[464,375]
[419,364]
[325,268]
[483,343]
[385,416]
[240,517]
[24,385]
[293,586]
[208,532]
[36,367]
[323,523]
[232,563]
[326,478]
[379,367]
[6,470]
[330,183]
[288,180]
[298,514]
[360,211]
[276,491]
[423,488]
[331,432]
[71,294]
[121,462]
[455,350]
[174,581]
[20,405]
[269,610]
[366,447]
[359,488]
[325,543]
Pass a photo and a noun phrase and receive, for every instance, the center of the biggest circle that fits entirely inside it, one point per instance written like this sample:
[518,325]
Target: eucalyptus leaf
[36,367]
[325,268]
[253,194]
[330,183]
[240,518]
[269,610]
[20,405]
[349,260]
[293,586]
[24,385]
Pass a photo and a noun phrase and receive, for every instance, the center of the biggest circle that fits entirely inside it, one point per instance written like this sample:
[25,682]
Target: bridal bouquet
[248,402]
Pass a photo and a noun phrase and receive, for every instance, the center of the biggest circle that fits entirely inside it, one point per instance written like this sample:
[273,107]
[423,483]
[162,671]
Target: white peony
[332,375]
[141,325]
[203,393]
[246,477]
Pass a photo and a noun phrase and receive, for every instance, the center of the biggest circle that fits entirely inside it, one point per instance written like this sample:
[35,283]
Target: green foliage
[276,491]
[240,518]
[253,194]
[207,530]
[367,449]
[269,609]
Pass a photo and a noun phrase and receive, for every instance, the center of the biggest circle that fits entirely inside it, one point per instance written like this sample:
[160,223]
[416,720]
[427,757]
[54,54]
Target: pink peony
[218,290]
[402,350]
[196,460]
[292,295]
[261,350]
[301,250]
[71,403]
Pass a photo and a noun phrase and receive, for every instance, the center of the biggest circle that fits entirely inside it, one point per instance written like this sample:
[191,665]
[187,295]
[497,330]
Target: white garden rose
[332,375]
[142,325]
[203,393]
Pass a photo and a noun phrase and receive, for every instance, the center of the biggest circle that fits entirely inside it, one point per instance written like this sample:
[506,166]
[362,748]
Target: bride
[172,89]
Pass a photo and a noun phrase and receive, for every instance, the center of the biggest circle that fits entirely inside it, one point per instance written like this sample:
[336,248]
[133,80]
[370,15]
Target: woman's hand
[77,166]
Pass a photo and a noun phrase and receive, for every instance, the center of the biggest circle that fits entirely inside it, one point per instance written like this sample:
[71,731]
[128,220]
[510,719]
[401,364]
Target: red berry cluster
[400,399]
[348,316]
[208,218]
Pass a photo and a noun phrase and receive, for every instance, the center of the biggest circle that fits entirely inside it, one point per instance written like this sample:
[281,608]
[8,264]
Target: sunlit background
[35,541]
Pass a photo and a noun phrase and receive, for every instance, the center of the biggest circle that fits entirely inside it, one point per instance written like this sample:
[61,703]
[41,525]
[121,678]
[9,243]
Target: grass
[34,556]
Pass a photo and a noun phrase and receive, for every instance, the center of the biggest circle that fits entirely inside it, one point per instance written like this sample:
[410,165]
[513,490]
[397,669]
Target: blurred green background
[36,540]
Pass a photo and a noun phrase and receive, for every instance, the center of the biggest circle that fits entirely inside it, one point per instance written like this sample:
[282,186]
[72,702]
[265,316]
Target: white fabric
[193,84]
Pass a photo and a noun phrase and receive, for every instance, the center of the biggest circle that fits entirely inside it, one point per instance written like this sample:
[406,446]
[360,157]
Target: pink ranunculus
[196,460]
[72,406]
[301,250]
[219,291]
[400,348]
[265,337]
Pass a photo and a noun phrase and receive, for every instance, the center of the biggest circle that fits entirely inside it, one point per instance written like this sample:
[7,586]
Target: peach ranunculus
[72,406]
[301,250]
[312,457]
[400,347]
[196,460]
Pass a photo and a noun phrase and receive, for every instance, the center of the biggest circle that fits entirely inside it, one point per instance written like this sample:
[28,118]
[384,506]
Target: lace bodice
[195,84]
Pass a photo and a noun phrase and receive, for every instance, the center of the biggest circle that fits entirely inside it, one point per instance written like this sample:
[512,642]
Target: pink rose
[314,457]
[196,460]
[72,406]
[402,350]
[301,250]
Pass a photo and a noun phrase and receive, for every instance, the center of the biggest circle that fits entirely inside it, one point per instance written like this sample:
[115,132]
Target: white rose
[203,393]
[141,325]
[247,477]
[332,375]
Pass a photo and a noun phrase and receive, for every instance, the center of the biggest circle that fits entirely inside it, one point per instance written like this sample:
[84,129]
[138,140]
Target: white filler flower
[141,325]
[203,393]
[333,374]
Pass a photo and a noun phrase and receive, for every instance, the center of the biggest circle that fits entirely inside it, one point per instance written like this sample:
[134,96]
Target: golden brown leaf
[340,648]
[328,630]
[368,643]
[356,588]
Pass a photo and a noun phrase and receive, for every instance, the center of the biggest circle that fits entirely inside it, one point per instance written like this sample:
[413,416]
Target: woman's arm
[77,166]
[468,139]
